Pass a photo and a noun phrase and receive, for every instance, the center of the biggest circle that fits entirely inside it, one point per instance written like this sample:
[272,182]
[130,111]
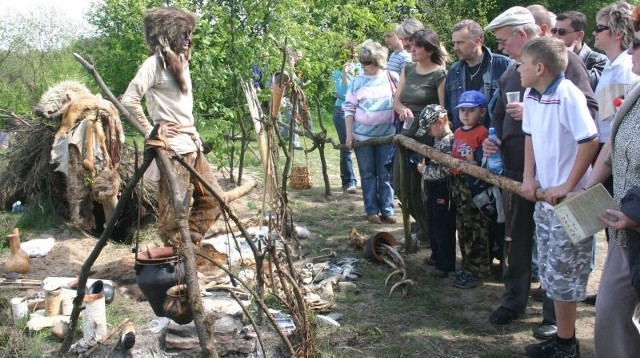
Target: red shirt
[467,141]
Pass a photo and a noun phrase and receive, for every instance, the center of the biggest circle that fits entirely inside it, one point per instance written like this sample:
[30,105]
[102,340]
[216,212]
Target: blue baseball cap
[472,99]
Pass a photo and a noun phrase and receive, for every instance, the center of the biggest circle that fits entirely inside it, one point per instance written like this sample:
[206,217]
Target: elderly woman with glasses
[619,291]
[421,84]
[368,111]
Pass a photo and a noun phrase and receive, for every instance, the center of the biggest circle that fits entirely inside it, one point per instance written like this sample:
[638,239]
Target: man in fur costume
[164,79]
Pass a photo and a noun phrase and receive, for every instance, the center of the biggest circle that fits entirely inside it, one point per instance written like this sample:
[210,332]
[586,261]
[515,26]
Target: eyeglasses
[599,28]
[366,63]
[561,32]
[501,42]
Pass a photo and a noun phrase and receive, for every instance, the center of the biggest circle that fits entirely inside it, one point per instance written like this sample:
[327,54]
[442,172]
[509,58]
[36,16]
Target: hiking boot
[374,219]
[389,219]
[468,280]
[553,349]
[503,315]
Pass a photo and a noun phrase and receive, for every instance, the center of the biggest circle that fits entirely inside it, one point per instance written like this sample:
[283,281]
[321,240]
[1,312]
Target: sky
[72,8]
[41,32]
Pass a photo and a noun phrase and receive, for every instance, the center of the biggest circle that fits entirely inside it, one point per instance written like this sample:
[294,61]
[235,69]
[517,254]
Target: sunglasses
[599,28]
[366,63]
[561,32]
[636,43]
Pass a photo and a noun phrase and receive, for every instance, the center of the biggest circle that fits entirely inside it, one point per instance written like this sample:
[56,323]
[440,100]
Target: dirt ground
[435,320]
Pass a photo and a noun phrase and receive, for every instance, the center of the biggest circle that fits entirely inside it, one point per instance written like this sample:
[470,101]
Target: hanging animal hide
[86,148]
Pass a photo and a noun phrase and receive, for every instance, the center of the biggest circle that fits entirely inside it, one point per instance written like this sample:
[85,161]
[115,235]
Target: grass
[39,218]
[7,223]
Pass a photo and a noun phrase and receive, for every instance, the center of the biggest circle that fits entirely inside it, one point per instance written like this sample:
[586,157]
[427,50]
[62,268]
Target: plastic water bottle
[494,161]
[17,207]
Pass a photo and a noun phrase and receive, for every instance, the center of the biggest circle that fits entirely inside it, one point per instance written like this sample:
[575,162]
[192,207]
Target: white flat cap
[516,15]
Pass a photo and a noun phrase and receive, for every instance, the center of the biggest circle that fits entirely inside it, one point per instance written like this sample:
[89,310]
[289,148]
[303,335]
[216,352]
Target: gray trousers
[520,228]
[615,334]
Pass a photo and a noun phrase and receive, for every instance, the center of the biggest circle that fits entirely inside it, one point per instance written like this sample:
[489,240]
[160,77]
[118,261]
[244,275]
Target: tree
[34,54]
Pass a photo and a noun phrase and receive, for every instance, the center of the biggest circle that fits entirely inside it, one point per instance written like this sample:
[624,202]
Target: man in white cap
[512,29]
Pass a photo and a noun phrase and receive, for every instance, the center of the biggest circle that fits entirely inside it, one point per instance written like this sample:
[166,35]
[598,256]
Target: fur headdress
[163,30]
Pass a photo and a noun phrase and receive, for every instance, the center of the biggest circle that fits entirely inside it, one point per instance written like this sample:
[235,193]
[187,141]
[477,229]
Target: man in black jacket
[570,27]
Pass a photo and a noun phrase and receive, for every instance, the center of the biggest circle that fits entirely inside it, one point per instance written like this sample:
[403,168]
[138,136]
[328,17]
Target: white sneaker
[351,189]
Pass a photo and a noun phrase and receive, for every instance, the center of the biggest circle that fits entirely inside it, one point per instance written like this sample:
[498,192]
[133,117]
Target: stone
[346,287]
[327,321]
[226,327]
[181,336]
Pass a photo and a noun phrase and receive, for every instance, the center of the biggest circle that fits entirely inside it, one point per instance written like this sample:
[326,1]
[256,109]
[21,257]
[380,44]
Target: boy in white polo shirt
[560,144]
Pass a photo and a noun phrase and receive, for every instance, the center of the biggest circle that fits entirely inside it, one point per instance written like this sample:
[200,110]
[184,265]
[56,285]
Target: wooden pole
[464,166]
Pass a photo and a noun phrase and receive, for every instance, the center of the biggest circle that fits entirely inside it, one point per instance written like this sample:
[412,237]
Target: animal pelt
[78,193]
[103,129]
[87,146]
[164,28]
[55,97]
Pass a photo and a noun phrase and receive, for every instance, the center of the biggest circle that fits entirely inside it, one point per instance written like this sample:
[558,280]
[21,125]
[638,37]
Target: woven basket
[300,178]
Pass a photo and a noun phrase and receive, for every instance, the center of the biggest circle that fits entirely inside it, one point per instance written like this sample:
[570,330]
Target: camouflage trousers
[473,230]
[564,267]
[204,210]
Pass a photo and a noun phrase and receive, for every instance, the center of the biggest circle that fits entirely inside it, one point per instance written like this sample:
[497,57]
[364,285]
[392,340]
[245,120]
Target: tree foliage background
[232,35]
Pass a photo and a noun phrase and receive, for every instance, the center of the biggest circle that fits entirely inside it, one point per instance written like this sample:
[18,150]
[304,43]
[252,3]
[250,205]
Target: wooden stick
[464,166]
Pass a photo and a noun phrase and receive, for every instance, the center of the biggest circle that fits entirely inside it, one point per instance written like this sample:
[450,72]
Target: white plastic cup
[67,306]
[19,308]
[513,97]
[158,324]
[407,123]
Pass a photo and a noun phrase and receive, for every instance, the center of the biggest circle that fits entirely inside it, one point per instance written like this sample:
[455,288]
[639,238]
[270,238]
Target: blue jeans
[375,180]
[346,165]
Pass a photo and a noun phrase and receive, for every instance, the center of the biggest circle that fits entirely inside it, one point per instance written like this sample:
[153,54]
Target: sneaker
[351,189]
[591,299]
[545,330]
[503,315]
[389,219]
[553,349]
[467,281]
[374,219]
[457,273]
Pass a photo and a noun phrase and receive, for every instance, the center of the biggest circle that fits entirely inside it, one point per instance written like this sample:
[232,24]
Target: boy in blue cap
[472,225]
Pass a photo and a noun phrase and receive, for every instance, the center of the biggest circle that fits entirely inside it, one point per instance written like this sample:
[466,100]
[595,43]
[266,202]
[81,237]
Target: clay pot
[176,305]
[157,270]
[18,261]
[371,250]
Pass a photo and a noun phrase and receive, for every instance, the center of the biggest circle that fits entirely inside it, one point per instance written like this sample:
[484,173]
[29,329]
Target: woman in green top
[421,84]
